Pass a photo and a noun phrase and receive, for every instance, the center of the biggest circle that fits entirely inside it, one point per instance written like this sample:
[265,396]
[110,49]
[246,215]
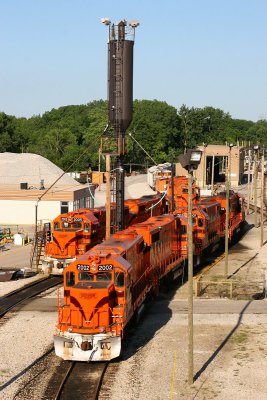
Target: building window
[76,205]
[82,203]
[88,203]
[64,207]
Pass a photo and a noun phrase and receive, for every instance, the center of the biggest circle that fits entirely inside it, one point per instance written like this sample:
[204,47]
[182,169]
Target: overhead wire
[70,166]
[141,147]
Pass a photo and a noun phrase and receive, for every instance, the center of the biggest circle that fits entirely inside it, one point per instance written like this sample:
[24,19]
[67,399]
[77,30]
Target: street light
[190,162]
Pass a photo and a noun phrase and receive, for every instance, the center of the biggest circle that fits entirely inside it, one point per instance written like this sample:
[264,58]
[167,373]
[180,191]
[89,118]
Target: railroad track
[78,380]
[252,208]
[16,297]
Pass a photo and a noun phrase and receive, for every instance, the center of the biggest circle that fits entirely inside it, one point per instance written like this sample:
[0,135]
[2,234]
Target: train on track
[109,285]
[74,233]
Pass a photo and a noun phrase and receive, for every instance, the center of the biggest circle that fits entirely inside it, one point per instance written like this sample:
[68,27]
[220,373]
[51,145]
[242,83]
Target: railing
[232,288]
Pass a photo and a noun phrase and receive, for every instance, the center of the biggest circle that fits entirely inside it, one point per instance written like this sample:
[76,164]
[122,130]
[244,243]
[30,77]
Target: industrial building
[214,163]
[24,196]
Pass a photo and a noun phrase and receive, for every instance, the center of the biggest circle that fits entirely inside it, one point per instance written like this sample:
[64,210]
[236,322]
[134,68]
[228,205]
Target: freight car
[76,232]
[108,285]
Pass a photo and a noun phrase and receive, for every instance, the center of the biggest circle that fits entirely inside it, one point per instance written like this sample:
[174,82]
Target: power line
[141,147]
[71,165]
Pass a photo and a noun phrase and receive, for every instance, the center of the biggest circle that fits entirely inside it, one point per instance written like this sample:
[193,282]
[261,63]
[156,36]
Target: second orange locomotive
[75,232]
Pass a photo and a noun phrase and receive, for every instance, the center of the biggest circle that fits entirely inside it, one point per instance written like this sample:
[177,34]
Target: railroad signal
[48,232]
[48,236]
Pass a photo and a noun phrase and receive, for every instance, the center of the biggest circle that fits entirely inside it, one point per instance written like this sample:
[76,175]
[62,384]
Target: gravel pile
[135,187]
[30,168]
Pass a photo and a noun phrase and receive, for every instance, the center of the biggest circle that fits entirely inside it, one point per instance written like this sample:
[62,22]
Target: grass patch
[240,337]
[4,371]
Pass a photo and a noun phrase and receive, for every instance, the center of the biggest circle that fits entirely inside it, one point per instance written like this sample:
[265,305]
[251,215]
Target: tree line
[63,134]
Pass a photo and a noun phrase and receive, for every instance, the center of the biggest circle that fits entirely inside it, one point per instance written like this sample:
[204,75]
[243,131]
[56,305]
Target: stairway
[38,246]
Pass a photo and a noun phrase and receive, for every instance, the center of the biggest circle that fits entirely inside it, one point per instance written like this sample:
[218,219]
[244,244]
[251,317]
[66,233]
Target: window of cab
[77,225]
[200,222]
[86,227]
[56,226]
[183,229]
[141,247]
[119,279]
[70,278]
[155,237]
[99,277]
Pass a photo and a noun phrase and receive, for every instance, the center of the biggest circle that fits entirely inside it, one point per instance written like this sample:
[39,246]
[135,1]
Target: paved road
[213,306]
[175,306]
[16,257]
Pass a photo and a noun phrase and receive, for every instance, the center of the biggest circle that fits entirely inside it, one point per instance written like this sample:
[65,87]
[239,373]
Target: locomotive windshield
[99,277]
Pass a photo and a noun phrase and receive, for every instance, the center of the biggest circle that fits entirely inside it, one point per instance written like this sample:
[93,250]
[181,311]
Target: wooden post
[248,194]
[226,240]
[190,285]
[99,168]
[107,196]
[204,165]
[212,173]
[255,195]
[262,197]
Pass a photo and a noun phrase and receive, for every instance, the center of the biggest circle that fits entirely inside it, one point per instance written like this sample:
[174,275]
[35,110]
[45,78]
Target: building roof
[31,169]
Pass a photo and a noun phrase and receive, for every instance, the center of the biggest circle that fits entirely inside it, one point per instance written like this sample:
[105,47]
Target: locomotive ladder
[37,248]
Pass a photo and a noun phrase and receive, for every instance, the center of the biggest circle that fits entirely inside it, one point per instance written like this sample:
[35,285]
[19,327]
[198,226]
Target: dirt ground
[230,359]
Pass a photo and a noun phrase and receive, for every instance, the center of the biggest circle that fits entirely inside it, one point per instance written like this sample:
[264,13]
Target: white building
[25,180]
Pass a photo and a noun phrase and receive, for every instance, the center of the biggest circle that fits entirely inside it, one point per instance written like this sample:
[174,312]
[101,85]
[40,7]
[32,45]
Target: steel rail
[13,299]
[82,380]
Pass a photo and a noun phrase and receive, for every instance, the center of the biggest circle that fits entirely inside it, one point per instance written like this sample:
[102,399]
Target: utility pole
[204,165]
[255,185]
[107,196]
[248,193]
[172,185]
[262,197]
[190,284]
[230,164]
[227,209]
[99,168]
[212,173]
[226,241]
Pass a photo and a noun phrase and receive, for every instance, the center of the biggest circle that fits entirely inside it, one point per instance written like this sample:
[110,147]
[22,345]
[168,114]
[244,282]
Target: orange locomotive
[105,287]
[209,214]
[76,232]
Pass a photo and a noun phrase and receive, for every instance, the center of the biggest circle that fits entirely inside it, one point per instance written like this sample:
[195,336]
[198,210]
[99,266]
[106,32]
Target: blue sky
[196,52]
